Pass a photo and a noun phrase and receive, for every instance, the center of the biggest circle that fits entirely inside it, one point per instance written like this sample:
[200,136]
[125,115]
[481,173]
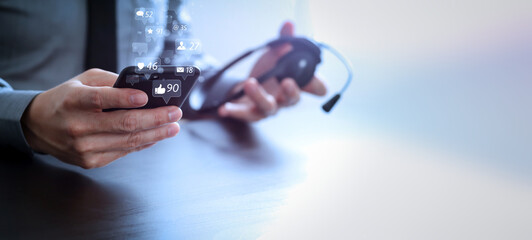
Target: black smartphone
[165,85]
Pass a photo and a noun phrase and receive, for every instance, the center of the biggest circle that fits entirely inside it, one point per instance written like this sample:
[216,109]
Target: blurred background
[436,137]
[432,140]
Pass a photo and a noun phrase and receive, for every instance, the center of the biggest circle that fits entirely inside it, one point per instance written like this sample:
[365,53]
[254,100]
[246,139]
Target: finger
[144,147]
[97,77]
[102,159]
[241,111]
[125,121]
[107,97]
[316,87]
[264,102]
[118,154]
[106,142]
[287,30]
[290,93]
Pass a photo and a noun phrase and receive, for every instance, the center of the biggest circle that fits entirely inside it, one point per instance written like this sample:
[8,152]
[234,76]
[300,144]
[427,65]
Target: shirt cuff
[12,107]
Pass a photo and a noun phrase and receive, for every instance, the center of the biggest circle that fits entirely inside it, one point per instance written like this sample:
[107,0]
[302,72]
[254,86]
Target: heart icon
[140,65]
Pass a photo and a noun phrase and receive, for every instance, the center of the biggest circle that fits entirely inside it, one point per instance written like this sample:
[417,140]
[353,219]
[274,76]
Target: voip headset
[300,64]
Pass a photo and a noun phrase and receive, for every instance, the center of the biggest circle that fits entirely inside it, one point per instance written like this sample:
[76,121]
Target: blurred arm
[12,106]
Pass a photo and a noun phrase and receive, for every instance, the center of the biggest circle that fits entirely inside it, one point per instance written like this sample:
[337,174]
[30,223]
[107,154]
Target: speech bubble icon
[185,71]
[145,15]
[188,46]
[140,47]
[147,65]
[160,90]
[154,32]
[139,13]
[166,89]
[132,79]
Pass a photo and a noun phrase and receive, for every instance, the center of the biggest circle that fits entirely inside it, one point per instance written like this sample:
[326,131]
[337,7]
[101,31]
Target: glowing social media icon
[132,79]
[140,47]
[147,66]
[145,15]
[160,90]
[181,47]
[166,89]
[184,71]
[188,46]
[153,32]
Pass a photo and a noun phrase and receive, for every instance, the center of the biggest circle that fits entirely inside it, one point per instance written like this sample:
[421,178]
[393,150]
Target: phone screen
[168,85]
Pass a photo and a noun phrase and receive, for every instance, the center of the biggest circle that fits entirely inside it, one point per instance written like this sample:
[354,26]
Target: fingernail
[172,131]
[291,88]
[174,115]
[138,99]
[222,111]
[254,87]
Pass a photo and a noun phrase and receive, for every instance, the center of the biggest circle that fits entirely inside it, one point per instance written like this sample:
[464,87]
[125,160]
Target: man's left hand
[261,101]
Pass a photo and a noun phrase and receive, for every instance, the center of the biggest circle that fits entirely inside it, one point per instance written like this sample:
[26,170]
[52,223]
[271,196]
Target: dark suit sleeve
[13,103]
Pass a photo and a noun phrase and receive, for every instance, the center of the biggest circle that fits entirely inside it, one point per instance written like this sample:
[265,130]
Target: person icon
[181,47]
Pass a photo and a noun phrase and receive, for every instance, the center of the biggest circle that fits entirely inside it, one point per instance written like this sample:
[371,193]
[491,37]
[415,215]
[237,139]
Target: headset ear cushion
[297,64]
[306,45]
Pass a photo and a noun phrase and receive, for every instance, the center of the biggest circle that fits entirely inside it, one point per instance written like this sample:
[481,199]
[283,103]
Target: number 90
[172,87]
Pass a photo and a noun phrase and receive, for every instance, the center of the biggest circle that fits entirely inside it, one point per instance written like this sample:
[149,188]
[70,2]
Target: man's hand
[262,101]
[68,123]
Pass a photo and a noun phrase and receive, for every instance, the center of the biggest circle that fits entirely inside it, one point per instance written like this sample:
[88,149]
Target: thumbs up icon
[160,89]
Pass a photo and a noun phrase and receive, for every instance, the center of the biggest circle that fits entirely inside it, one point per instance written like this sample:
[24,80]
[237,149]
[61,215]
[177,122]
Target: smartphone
[166,85]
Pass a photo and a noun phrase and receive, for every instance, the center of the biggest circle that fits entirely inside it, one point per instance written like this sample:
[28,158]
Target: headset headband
[298,44]
[301,48]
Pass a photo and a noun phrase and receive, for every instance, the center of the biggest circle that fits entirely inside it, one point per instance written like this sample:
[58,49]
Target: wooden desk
[299,175]
[215,179]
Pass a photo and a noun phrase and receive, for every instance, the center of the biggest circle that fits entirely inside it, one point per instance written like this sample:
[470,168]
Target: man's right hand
[68,123]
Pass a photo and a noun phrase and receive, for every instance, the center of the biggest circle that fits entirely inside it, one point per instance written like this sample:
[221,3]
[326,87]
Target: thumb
[287,30]
[97,78]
